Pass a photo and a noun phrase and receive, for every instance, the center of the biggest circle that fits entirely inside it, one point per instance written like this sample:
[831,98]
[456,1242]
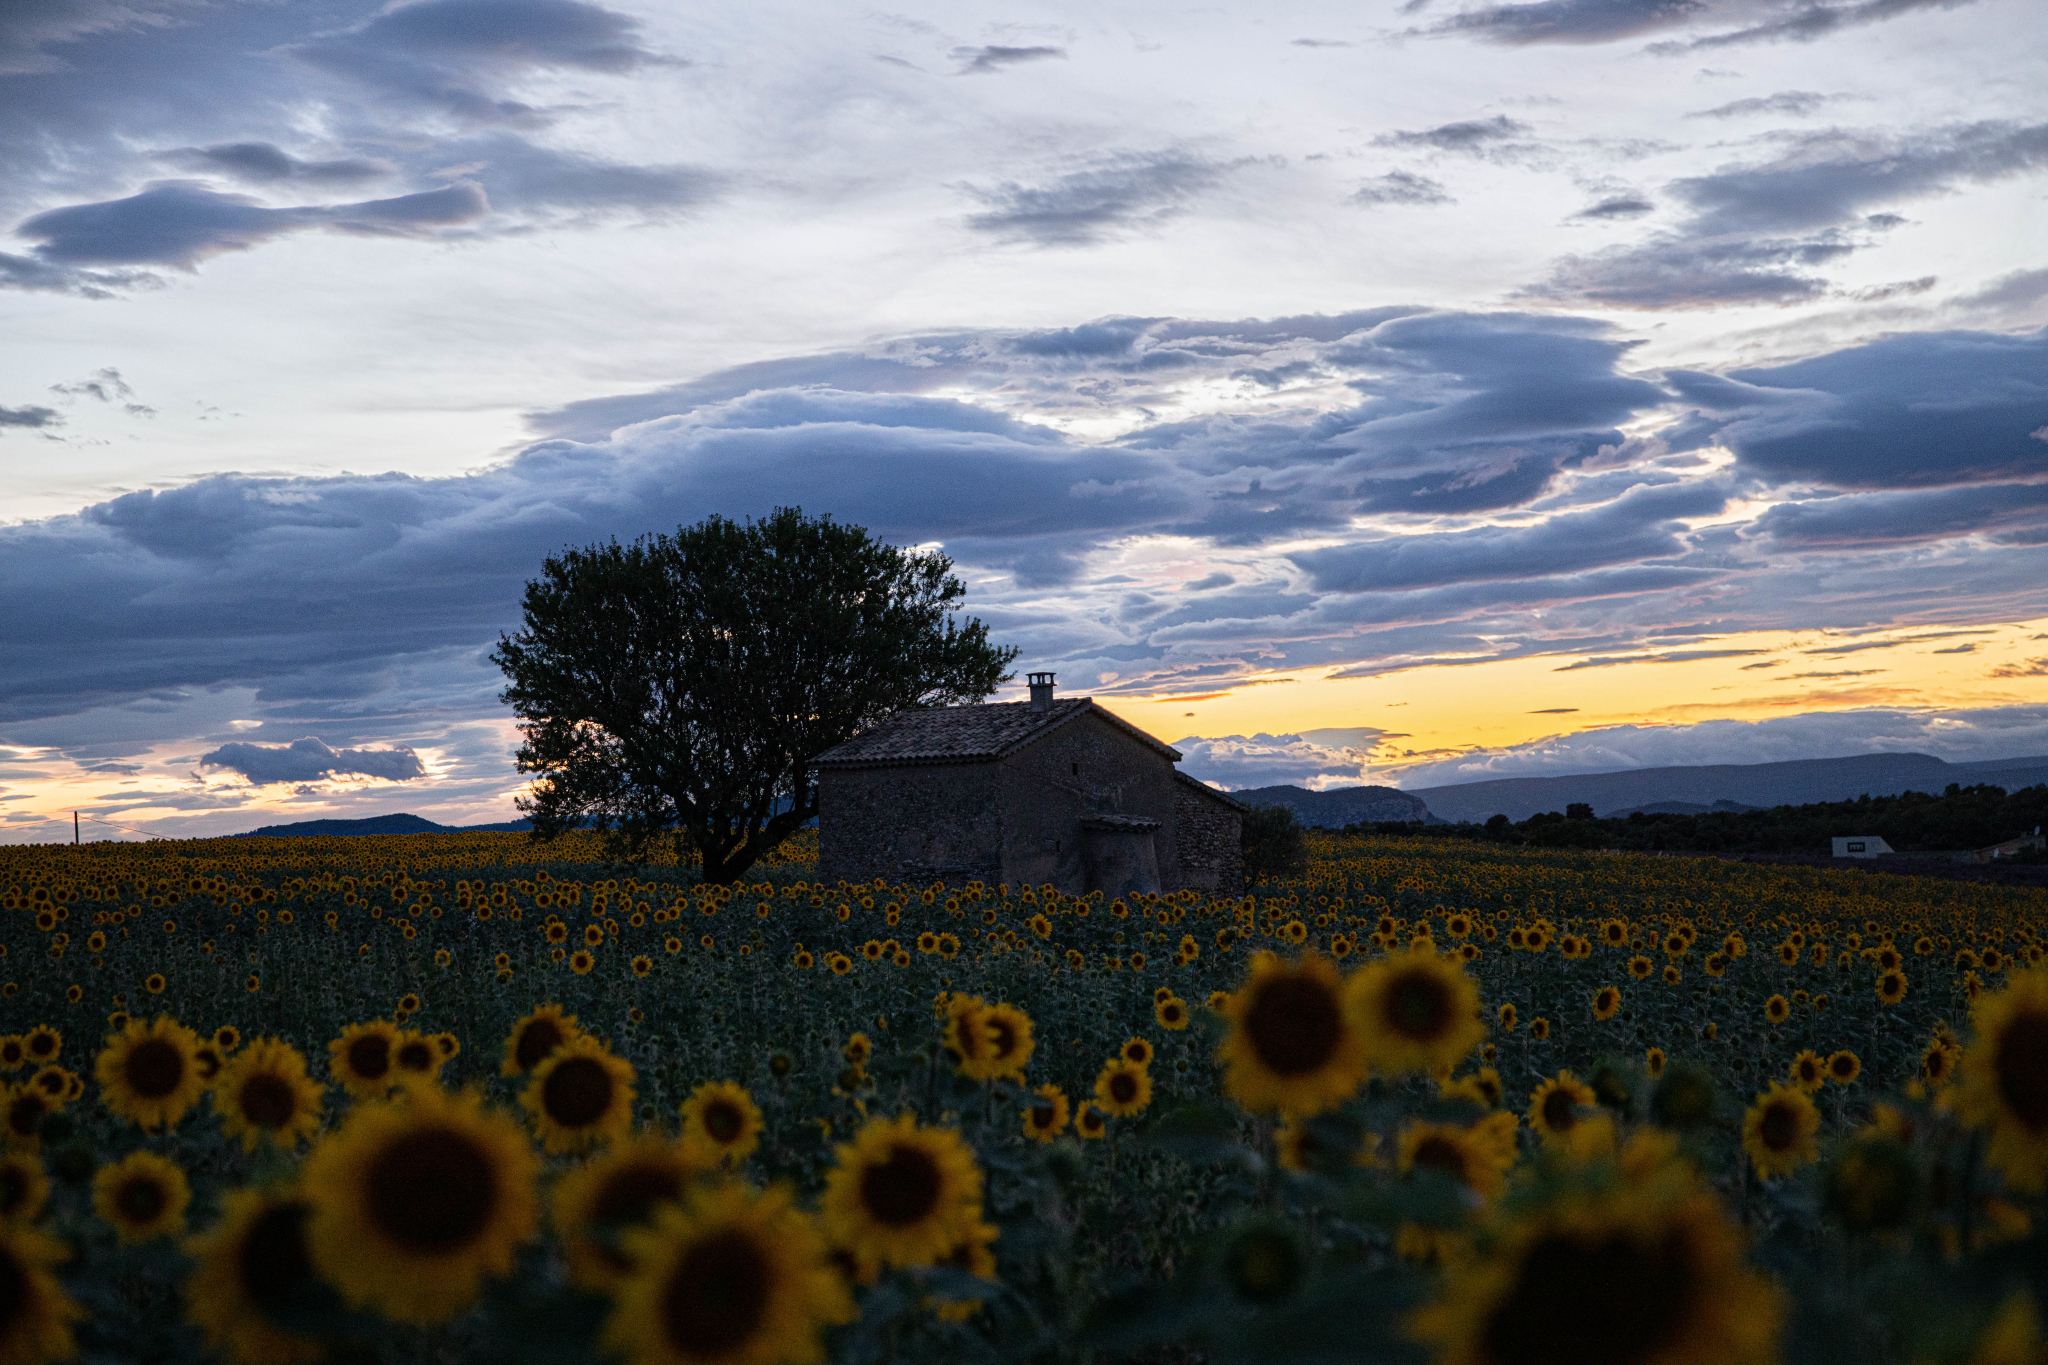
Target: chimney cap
[1040,679]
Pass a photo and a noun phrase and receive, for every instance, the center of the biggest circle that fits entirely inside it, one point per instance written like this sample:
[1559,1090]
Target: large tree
[683,684]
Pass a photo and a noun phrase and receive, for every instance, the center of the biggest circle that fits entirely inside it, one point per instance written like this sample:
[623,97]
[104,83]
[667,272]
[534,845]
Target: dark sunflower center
[717,1295]
[1294,1025]
[2021,1066]
[1596,1301]
[536,1041]
[13,1291]
[1123,1087]
[417,1056]
[431,1191]
[1560,1110]
[155,1068]
[1170,1013]
[273,1259]
[208,1063]
[1003,1034]
[724,1122]
[370,1056]
[1780,1127]
[25,1112]
[902,1190]
[142,1200]
[577,1092]
[627,1195]
[1842,1067]
[268,1100]
[1042,1115]
[1441,1154]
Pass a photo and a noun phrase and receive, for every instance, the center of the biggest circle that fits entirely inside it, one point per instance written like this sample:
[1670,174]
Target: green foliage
[685,682]
[1274,844]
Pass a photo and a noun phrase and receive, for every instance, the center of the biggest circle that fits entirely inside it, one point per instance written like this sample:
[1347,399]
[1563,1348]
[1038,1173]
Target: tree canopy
[683,684]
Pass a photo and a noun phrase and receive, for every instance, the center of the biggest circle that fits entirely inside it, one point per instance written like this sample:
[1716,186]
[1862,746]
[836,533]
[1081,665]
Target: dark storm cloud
[180,223]
[33,418]
[1792,103]
[1472,137]
[264,163]
[1905,518]
[454,56]
[982,60]
[1641,525]
[1102,198]
[310,760]
[26,272]
[1401,187]
[1917,410]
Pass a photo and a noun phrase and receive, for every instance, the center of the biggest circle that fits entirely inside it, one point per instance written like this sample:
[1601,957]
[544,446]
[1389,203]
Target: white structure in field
[1861,846]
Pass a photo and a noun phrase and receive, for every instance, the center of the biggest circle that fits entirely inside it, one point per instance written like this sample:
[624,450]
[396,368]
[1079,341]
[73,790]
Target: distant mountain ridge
[398,823]
[1338,806]
[1795,783]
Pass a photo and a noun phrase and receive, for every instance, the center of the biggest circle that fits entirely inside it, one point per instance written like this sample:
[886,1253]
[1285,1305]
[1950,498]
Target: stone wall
[1210,835]
[918,822]
[1088,766]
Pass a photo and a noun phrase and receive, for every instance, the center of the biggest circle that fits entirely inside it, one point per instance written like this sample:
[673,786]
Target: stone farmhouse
[1039,791]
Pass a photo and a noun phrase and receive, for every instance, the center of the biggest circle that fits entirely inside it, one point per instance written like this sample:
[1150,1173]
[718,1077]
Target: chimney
[1041,691]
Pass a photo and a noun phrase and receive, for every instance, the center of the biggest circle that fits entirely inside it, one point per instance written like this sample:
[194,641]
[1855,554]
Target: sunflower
[12,1052]
[581,962]
[901,1194]
[1606,1002]
[249,1266]
[1808,1070]
[361,1058]
[1046,1118]
[227,1038]
[971,1256]
[208,1060]
[147,1074]
[1123,1089]
[730,1277]
[1633,1274]
[1136,1051]
[1539,1029]
[1778,1131]
[967,1041]
[1415,1012]
[1009,1039]
[1891,987]
[721,1121]
[580,1096]
[536,1036]
[1653,1063]
[1089,1123]
[1292,1045]
[2003,1080]
[142,1196]
[417,1058]
[1777,1009]
[624,1188]
[1171,1013]
[23,1188]
[414,1203]
[265,1092]
[447,1044]
[36,1325]
[1554,1107]
[42,1044]
[1508,1015]
[1476,1159]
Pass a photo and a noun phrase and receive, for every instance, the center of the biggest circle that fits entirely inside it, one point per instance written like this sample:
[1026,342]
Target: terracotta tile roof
[955,734]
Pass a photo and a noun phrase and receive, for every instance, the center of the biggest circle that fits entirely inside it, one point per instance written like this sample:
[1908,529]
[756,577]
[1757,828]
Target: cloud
[1807,22]
[32,418]
[1239,761]
[2032,668]
[1639,526]
[1617,207]
[1099,198]
[455,56]
[28,32]
[1401,187]
[982,60]
[1473,137]
[309,760]
[1958,736]
[1904,518]
[1569,21]
[180,223]
[264,163]
[1672,270]
[1791,103]
[1671,656]
[1915,410]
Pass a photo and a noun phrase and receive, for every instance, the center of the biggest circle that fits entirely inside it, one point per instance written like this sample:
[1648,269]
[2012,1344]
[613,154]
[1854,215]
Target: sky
[1401,391]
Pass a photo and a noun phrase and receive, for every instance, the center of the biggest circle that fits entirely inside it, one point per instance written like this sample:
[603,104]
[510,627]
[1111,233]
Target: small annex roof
[968,734]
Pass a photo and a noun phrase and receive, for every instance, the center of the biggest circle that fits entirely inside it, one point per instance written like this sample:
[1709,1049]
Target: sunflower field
[465,1097]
